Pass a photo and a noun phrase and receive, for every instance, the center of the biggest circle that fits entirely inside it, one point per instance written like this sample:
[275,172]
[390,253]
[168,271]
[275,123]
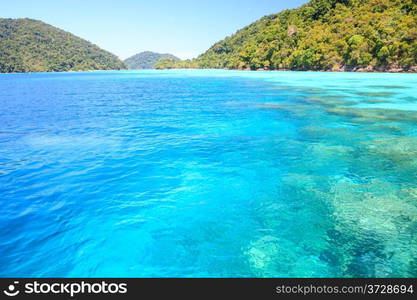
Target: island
[147,60]
[321,35]
[28,45]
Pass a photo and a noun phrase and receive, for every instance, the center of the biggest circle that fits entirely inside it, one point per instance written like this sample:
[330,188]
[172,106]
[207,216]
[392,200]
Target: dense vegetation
[32,46]
[147,60]
[321,35]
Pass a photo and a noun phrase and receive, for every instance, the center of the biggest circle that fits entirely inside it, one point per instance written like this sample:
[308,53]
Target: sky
[185,28]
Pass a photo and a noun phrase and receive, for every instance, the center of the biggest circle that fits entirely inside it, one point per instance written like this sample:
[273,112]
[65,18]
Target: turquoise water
[208,174]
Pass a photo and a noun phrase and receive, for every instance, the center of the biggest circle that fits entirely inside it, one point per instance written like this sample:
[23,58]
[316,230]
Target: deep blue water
[208,174]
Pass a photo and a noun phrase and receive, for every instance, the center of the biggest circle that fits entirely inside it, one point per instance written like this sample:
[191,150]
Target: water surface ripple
[208,174]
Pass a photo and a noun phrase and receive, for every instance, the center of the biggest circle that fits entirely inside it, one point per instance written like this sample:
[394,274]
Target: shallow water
[208,174]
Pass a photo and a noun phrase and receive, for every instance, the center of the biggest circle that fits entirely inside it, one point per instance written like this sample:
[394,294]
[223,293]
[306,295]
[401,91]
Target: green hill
[147,60]
[28,45]
[352,35]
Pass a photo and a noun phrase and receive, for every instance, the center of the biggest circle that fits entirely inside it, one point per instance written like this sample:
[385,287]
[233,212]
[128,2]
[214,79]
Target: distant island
[147,60]
[28,45]
[322,35]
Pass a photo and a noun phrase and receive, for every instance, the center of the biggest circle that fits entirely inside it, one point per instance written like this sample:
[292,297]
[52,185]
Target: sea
[208,173]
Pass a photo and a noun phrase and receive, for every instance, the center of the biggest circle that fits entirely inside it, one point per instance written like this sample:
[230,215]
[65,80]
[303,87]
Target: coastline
[341,70]
[369,69]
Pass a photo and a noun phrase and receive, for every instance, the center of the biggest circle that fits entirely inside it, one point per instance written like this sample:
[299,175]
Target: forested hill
[147,60]
[334,35]
[28,45]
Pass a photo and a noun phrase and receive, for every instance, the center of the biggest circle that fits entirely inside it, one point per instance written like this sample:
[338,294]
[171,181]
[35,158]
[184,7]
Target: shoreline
[354,70]
[412,70]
